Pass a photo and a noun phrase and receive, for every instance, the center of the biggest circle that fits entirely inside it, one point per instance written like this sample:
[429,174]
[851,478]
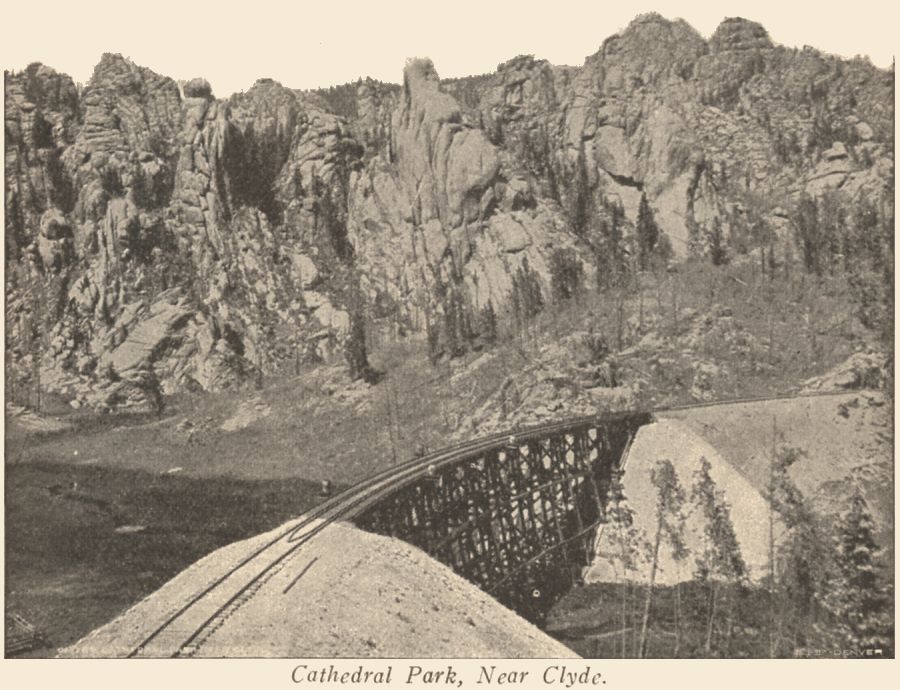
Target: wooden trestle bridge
[519,517]
[516,513]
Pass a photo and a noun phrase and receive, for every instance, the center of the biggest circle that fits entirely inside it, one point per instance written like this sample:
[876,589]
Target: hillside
[160,239]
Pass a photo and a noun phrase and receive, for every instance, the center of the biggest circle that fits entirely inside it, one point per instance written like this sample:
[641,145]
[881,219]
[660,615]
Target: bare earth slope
[347,594]
[843,438]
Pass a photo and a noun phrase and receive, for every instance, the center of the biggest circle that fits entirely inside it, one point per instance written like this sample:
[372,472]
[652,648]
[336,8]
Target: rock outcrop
[693,124]
[219,239]
[166,237]
[440,228]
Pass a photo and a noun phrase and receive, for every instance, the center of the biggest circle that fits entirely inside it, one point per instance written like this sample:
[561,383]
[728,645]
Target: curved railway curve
[514,512]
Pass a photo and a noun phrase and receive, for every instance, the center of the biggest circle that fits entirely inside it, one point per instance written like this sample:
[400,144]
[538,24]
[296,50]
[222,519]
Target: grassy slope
[68,570]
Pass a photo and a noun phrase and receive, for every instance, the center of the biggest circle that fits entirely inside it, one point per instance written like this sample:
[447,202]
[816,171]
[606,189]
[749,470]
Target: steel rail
[317,512]
[359,503]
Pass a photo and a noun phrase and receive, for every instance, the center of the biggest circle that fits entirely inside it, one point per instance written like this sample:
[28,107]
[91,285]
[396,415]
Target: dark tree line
[855,239]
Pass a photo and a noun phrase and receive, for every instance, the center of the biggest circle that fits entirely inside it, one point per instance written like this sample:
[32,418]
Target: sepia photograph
[512,332]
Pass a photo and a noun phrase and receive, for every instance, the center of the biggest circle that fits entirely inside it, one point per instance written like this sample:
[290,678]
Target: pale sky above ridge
[232,45]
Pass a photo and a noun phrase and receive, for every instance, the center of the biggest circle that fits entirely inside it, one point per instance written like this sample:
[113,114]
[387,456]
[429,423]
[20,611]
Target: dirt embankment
[347,594]
[842,438]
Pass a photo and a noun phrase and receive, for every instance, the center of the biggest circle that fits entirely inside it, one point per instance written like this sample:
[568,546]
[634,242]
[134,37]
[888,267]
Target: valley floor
[85,542]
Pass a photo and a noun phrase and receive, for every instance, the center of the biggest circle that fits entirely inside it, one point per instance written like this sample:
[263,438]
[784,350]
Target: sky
[308,45]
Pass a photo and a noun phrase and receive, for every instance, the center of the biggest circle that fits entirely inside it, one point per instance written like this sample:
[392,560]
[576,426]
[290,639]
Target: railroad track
[184,630]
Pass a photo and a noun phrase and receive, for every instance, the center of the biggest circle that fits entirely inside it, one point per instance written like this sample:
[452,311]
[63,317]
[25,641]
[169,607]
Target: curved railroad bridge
[516,513]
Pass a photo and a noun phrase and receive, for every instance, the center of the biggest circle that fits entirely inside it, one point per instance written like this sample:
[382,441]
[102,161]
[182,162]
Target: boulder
[736,33]
[198,88]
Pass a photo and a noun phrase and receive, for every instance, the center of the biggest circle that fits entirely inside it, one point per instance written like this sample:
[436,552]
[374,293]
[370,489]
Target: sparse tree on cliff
[610,252]
[718,253]
[355,350]
[647,232]
[37,323]
[489,323]
[566,273]
[806,225]
[526,298]
[581,195]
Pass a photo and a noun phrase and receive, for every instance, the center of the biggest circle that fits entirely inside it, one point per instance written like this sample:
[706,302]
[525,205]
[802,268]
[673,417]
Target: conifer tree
[609,248]
[721,559]
[489,322]
[647,233]
[860,598]
[566,273]
[355,351]
[526,297]
[807,228]
[625,552]
[669,529]
[801,555]
[581,194]
[716,242]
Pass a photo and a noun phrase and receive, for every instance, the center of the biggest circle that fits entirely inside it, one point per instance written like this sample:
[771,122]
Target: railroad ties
[518,519]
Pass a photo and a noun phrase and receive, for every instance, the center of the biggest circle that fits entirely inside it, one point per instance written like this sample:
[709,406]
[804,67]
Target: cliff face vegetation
[159,239]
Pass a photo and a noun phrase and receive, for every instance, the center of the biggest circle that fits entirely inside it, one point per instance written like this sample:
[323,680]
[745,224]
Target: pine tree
[860,598]
[625,551]
[721,558]
[616,240]
[432,337]
[611,252]
[716,243]
[669,528]
[581,194]
[807,228]
[489,323]
[355,351]
[647,233]
[147,382]
[566,273]
[526,297]
[802,558]
[38,328]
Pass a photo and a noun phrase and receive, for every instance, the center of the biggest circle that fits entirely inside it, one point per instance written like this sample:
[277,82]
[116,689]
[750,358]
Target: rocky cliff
[440,226]
[161,239]
[696,124]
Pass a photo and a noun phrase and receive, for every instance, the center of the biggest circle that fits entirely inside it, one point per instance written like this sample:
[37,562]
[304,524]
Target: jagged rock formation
[164,241]
[439,228]
[160,238]
[693,124]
